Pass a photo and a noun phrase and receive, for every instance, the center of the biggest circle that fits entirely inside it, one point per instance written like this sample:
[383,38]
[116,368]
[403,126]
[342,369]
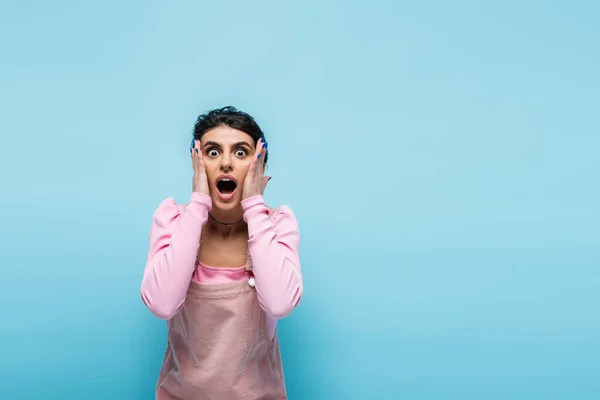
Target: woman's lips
[226,196]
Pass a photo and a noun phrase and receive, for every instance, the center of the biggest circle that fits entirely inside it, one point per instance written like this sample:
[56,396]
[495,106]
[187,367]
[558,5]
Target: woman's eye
[240,153]
[213,153]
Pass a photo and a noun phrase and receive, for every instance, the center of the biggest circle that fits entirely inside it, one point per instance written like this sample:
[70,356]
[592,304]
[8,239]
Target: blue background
[441,157]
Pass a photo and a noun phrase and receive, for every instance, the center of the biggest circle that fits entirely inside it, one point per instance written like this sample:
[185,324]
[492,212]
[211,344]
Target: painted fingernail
[262,140]
[258,157]
[266,144]
[190,150]
[196,151]
[269,179]
[193,143]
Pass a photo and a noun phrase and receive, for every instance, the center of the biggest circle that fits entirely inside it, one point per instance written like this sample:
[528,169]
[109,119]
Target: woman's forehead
[226,135]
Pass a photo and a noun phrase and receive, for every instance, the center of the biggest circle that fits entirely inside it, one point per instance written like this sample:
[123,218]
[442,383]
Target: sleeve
[274,248]
[174,242]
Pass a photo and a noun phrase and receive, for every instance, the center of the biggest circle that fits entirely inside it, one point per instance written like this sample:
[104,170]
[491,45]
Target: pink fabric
[175,236]
[216,276]
[218,347]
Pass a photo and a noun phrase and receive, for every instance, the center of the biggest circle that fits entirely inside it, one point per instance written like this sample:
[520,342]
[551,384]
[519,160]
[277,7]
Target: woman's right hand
[200,181]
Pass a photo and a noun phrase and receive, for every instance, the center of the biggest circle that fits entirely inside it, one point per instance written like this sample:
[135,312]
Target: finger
[260,172]
[259,147]
[265,180]
[252,169]
[199,160]
[193,151]
[193,154]
[199,164]
[263,156]
[260,155]
[252,165]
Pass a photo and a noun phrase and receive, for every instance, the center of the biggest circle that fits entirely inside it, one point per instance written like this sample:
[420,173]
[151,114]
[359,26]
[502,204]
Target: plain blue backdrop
[442,159]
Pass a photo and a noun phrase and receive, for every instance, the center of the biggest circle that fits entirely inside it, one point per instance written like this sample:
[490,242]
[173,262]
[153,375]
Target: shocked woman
[222,269]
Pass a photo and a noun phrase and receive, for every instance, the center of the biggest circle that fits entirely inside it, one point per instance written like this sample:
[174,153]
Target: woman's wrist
[253,206]
[253,201]
[199,199]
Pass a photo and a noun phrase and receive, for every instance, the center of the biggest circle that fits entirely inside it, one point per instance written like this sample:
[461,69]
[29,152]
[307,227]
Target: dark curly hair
[231,117]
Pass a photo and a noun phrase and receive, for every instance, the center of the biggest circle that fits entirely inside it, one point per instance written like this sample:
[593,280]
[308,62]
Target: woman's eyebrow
[214,144]
[238,144]
[242,144]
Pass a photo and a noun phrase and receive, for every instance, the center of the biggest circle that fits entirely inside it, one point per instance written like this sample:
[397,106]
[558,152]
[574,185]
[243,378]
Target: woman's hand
[255,182]
[200,181]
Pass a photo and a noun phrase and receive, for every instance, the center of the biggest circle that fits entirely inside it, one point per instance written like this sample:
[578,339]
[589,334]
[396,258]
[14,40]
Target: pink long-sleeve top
[175,236]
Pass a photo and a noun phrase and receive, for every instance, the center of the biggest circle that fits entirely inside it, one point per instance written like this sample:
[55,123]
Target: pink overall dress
[219,348]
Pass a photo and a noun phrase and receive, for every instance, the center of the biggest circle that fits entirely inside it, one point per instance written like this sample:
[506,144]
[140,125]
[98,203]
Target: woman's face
[227,154]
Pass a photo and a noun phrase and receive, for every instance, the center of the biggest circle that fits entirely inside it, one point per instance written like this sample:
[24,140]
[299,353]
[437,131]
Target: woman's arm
[274,248]
[174,242]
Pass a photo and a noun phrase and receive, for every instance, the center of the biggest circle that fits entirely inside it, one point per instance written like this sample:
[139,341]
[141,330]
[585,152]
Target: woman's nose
[226,164]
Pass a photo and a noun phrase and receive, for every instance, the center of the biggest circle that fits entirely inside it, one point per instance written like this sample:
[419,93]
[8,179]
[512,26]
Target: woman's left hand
[256,181]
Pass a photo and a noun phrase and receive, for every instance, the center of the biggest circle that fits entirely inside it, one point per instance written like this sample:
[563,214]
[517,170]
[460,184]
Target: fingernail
[258,157]
[269,179]
[192,145]
[266,145]
[262,140]
[196,151]
[190,150]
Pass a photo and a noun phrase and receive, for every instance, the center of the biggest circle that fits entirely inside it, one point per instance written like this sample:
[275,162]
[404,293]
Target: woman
[223,269]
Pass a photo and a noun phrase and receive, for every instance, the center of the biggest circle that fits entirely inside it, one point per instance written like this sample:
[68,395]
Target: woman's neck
[227,224]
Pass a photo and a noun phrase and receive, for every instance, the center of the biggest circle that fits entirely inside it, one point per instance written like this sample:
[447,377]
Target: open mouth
[226,186]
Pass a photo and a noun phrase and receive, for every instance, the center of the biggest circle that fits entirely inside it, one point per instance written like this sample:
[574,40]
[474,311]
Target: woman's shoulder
[168,210]
[170,206]
[280,209]
[281,213]
[284,221]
